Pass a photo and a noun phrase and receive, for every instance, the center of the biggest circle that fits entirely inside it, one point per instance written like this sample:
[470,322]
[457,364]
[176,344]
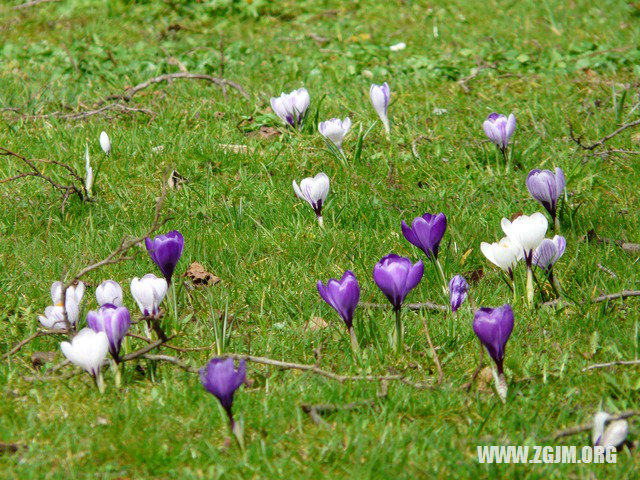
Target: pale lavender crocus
[547,188]
[314,191]
[493,326]
[396,276]
[499,129]
[458,288]
[547,254]
[292,107]
[110,292]
[335,130]
[114,321]
[380,95]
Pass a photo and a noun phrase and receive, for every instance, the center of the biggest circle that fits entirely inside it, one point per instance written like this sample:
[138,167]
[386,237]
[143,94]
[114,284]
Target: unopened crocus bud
[335,130]
[112,320]
[165,251]
[221,379]
[426,233]
[499,129]
[314,191]
[88,178]
[493,326]
[547,188]
[342,295]
[458,288]
[148,292]
[105,143]
[88,350]
[54,315]
[110,292]
[380,95]
[292,107]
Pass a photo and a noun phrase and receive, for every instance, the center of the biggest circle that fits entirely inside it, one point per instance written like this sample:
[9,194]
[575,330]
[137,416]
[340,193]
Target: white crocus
[109,292]
[148,292]
[314,191]
[613,435]
[53,317]
[527,231]
[398,46]
[335,130]
[88,176]
[105,143]
[504,254]
[380,95]
[88,350]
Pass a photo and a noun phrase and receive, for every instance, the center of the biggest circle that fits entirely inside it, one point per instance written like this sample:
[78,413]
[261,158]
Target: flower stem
[175,304]
[556,224]
[445,285]
[320,221]
[237,428]
[501,385]
[529,285]
[354,341]
[117,374]
[100,382]
[398,333]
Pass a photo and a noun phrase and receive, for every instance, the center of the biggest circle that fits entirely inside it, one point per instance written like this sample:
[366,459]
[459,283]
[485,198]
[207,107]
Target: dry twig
[601,142]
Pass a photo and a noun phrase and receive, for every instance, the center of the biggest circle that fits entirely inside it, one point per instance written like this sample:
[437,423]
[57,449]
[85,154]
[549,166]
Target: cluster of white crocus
[88,349]
[523,236]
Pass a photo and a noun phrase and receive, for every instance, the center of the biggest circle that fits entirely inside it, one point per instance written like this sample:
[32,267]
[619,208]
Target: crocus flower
[88,350]
[504,254]
[88,178]
[291,107]
[426,232]
[342,295]
[112,320]
[458,288]
[499,129]
[105,143]
[396,276]
[380,95]
[493,327]
[335,130]
[615,433]
[221,379]
[54,315]
[314,191]
[549,252]
[165,251]
[110,292]
[526,231]
[547,187]
[398,46]
[148,292]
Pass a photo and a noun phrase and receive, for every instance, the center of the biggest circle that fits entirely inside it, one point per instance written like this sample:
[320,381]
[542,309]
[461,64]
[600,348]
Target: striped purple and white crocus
[292,107]
[335,130]
[547,188]
[499,129]
[314,191]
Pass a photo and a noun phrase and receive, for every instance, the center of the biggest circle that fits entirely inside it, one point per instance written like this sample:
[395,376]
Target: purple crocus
[112,320]
[396,276]
[165,251]
[220,378]
[426,232]
[546,187]
[458,288]
[549,252]
[493,327]
[343,295]
[499,129]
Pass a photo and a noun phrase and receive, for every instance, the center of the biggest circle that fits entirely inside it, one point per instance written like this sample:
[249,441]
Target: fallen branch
[82,115]
[601,142]
[169,77]
[611,364]
[599,299]
[315,411]
[589,426]
[30,338]
[65,190]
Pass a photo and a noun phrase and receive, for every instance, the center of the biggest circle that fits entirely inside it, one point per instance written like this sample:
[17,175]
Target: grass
[241,220]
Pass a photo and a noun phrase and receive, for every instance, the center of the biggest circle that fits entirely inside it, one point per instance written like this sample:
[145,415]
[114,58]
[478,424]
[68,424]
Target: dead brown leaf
[264,132]
[199,276]
[40,358]
[316,323]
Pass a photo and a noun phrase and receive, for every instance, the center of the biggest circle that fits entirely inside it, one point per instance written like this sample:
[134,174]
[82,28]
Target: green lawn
[550,63]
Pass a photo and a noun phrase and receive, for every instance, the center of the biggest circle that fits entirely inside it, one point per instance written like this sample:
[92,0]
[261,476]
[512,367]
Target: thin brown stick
[175,361]
[604,139]
[611,364]
[599,299]
[586,427]
[144,350]
[30,338]
[168,77]
[33,3]
[409,306]
[433,352]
